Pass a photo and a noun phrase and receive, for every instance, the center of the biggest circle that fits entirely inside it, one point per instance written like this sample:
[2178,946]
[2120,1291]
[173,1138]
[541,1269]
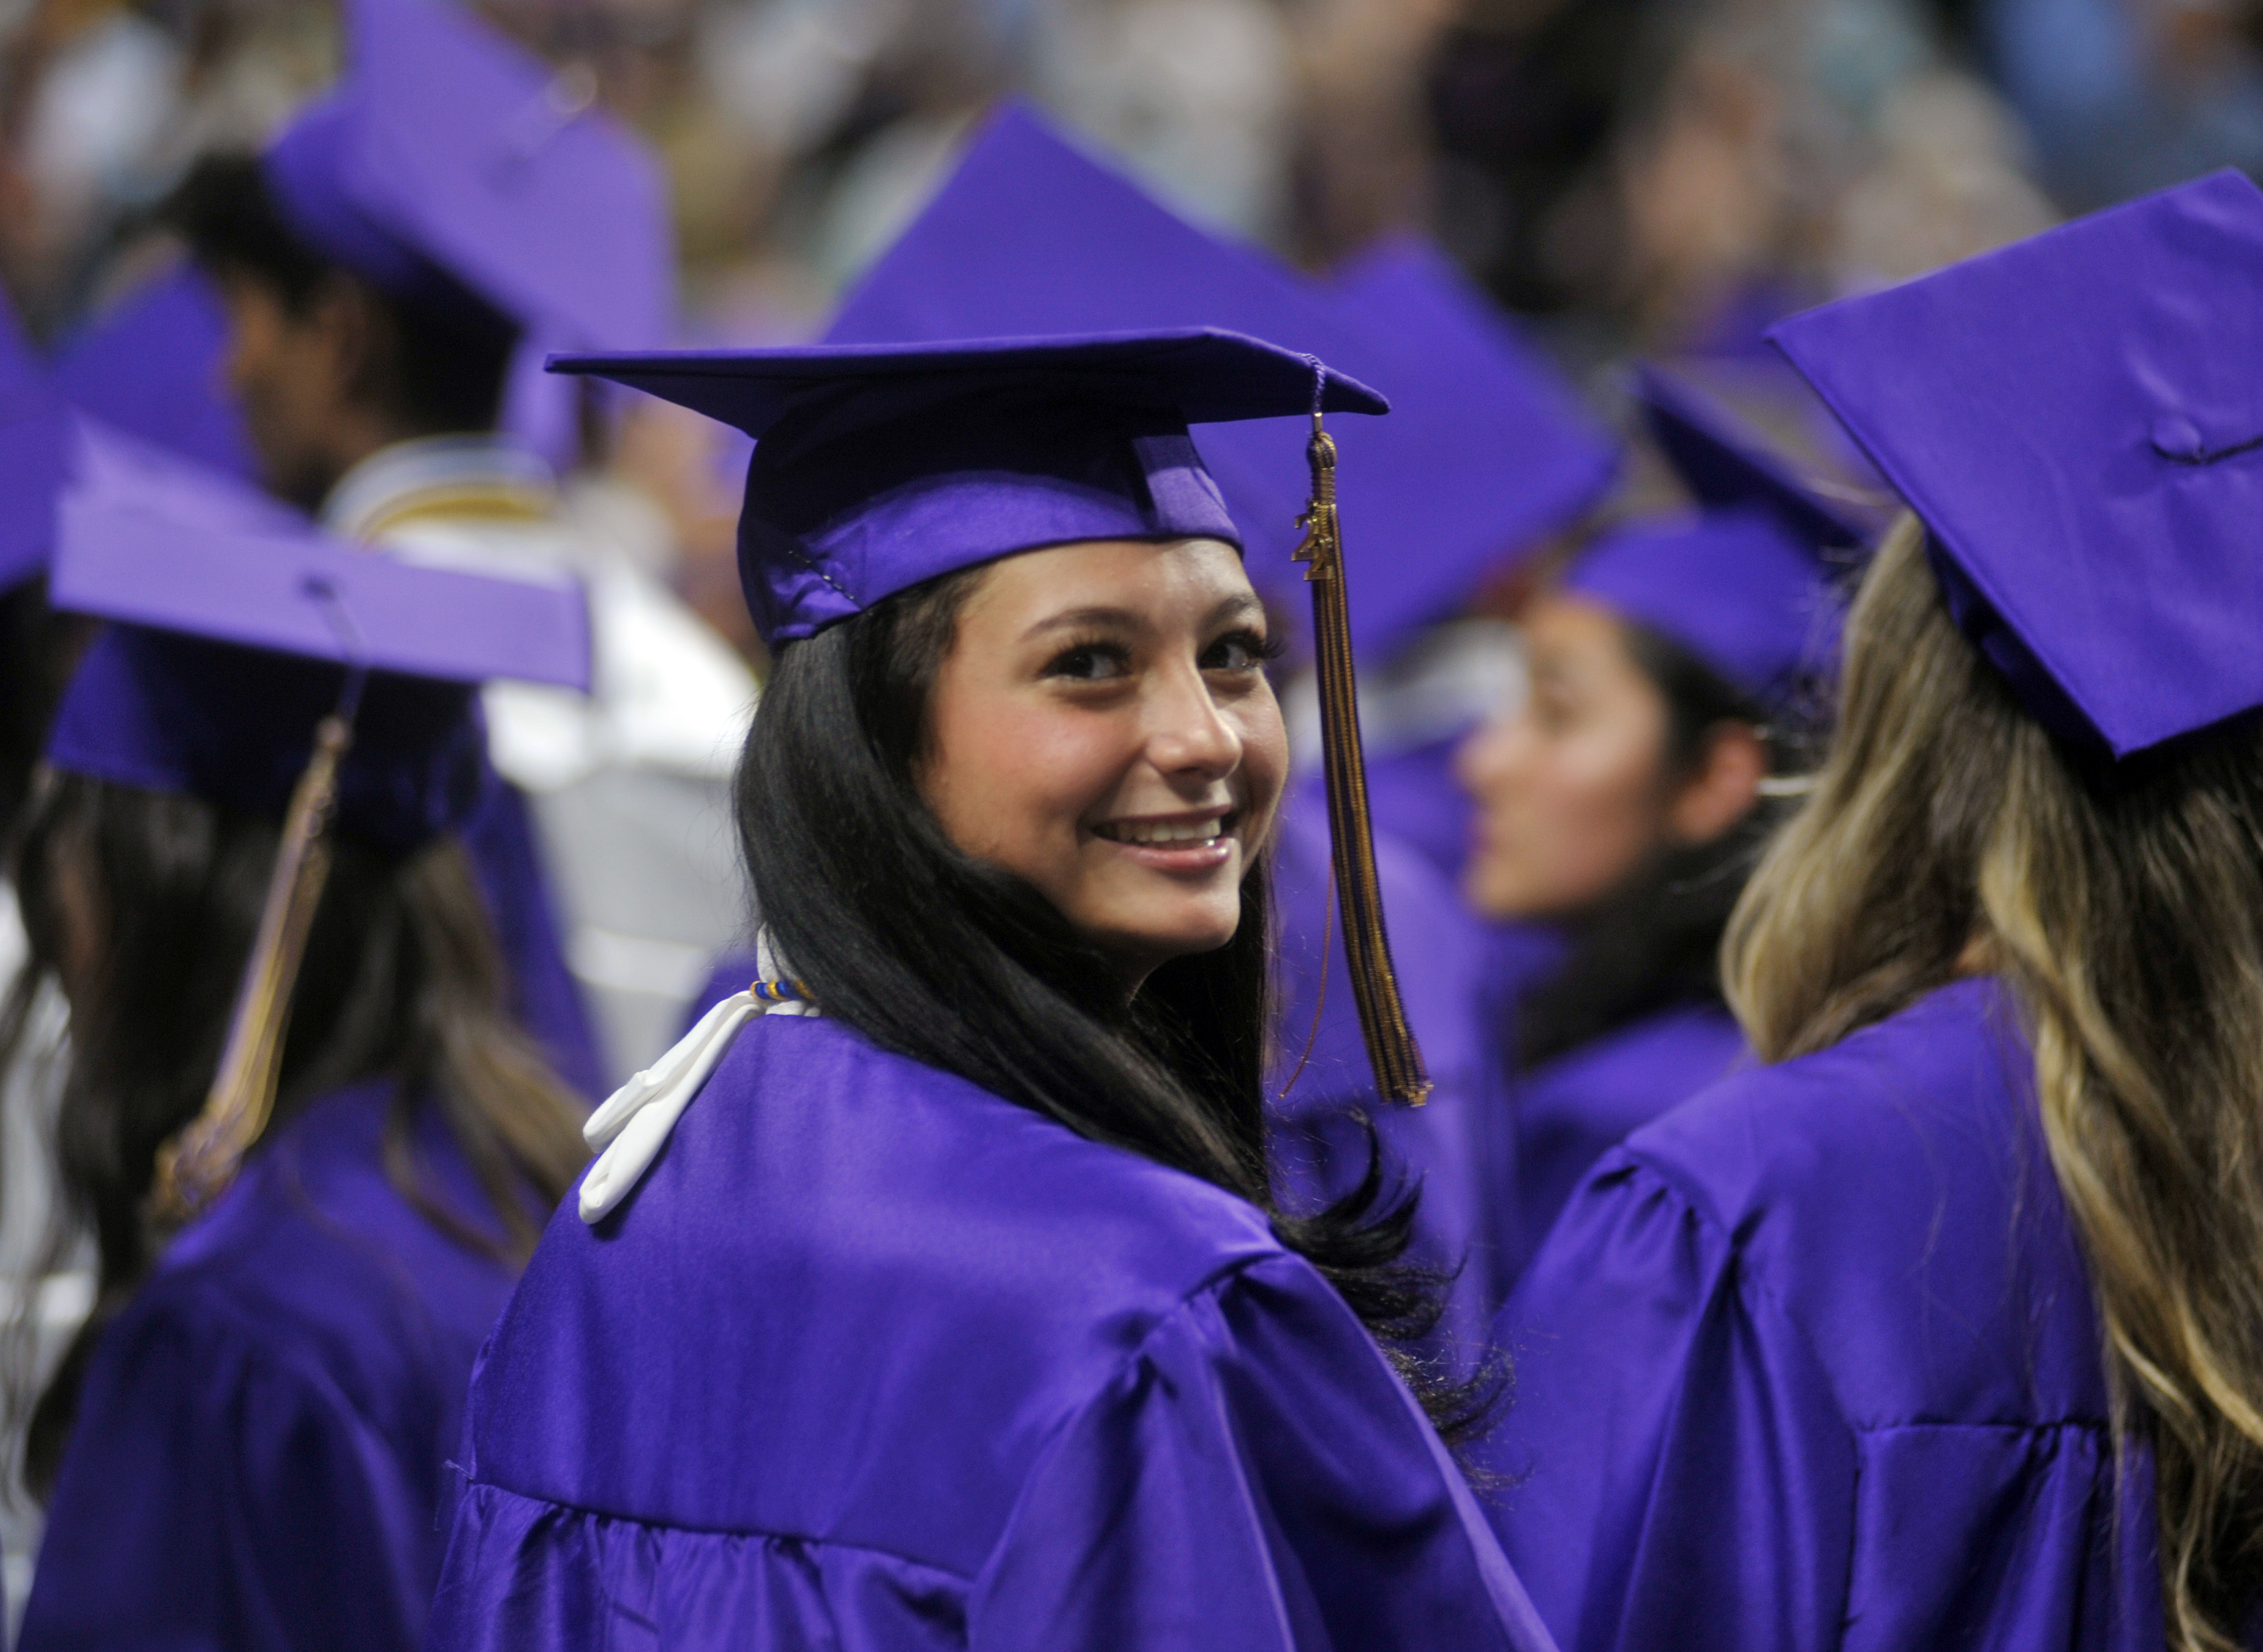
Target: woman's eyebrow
[1090,620]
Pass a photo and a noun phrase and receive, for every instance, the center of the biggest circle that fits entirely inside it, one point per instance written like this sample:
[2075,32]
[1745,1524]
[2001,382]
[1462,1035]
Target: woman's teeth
[1162,831]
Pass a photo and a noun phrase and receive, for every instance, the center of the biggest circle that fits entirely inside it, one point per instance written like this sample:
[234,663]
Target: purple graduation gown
[1568,1112]
[873,1358]
[1812,1362]
[258,1454]
[1319,1152]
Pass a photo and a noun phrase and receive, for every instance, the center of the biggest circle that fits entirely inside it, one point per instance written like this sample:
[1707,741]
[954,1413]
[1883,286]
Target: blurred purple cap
[151,366]
[877,467]
[2078,421]
[1744,597]
[447,156]
[34,455]
[1724,464]
[234,622]
[1481,454]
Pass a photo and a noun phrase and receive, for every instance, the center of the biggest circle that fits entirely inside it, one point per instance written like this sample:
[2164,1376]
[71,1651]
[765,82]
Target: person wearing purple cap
[932,1292]
[1939,1329]
[311,1144]
[448,204]
[1675,671]
[1483,454]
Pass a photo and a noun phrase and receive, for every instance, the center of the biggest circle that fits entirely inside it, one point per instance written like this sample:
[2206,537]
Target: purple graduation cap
[879,466]
[447,156]
[35,435]
[256,664]
[1505,456]
[235,624]
[1747,598]
[2078,420]
[1482,452]
[1745,584]
[151,365]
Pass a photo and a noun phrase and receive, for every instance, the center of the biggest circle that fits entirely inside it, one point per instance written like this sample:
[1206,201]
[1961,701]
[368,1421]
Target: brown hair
[2123,902]
[402,978]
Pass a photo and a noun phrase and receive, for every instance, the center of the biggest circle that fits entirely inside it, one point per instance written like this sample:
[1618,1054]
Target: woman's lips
[1183,843]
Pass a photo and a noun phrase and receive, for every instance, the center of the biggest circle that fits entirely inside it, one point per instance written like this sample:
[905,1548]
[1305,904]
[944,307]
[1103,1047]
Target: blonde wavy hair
[2123,904]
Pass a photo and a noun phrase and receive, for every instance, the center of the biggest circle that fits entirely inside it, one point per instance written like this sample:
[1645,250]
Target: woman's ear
[1723,789]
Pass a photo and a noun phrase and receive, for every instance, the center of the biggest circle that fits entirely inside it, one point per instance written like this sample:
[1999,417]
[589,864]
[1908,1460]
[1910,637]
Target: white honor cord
[634,1123]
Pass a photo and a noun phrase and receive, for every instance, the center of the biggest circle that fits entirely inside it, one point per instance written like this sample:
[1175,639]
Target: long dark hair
[402,978]
[936,955]
[38,650]
[1655,941]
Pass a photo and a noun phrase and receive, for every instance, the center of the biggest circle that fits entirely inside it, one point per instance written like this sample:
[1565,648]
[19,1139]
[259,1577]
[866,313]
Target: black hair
[1655,941]
[446,354]
[938,956]
[39,648]
[401,978]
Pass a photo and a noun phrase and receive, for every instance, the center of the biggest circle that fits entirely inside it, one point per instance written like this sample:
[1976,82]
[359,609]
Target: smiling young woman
[951,1307]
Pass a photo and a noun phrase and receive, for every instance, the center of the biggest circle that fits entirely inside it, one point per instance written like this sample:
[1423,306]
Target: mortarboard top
[1733,587]
[2078,419]
[234,623]
[1032,235]
[1725,465]
[151,365]
[34,455]
[877,467]
[444,146]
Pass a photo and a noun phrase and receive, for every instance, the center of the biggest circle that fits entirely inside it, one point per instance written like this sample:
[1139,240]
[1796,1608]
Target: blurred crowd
[1661,176]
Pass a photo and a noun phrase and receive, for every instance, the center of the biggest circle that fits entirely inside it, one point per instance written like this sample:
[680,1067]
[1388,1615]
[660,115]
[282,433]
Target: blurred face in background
[1572,790]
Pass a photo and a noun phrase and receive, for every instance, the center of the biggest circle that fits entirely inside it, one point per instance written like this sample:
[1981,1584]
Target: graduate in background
[1941,1329]
[446,204]
[311,1144]
[952,1308]
[1031,233]
[45,1267]
[1675,683]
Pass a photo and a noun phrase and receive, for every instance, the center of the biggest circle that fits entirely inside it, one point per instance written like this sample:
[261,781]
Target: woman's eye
[1241,651]
[1090,662]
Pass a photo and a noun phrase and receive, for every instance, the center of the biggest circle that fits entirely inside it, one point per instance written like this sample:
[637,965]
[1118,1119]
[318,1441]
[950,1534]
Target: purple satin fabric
[257,1459]
[544,998]
[1568,1112]
[874,1359]
[1812,1362]
[1320,1150]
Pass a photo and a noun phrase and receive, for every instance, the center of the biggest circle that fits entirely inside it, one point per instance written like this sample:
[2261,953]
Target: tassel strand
[1390,1047]
[197,1164]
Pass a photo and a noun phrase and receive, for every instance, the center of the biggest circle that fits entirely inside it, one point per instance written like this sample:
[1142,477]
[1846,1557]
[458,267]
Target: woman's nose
[1188,734]
[1486,755]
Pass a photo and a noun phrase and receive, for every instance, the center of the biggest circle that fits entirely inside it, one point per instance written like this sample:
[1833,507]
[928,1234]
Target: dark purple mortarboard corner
[35,437]
[233,625]
[1728,466]
[877,466]
[445,147]
[1485,450]
[2078,421]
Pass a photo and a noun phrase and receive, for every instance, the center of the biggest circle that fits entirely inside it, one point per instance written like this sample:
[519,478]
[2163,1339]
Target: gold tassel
[1390,1047]
[197,1166]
